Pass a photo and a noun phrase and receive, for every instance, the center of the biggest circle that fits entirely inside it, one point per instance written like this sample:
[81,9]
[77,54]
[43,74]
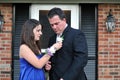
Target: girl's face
[37,32]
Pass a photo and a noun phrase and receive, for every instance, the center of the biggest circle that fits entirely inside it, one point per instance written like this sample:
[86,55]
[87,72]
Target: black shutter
[88,26]
[21,15]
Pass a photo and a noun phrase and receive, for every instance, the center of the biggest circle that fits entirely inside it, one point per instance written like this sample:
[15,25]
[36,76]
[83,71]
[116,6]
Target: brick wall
[6,43]
[108,44]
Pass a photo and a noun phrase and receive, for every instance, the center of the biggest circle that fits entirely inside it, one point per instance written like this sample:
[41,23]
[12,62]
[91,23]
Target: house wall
[6,43]
[108,44]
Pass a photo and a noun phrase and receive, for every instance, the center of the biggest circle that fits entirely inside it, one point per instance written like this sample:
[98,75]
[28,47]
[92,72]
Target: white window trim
[73,7]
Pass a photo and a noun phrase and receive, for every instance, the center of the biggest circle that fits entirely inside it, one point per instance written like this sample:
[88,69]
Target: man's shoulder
[75,30]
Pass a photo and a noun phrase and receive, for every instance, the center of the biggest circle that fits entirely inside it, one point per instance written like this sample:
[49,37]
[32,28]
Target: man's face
[57,24]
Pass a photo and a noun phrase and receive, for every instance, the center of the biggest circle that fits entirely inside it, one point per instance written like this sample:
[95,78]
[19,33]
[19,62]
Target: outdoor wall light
[110,22]
[1,21]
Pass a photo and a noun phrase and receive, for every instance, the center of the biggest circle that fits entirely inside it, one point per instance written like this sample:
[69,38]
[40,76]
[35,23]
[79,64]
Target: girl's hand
[57,45]
[48,66]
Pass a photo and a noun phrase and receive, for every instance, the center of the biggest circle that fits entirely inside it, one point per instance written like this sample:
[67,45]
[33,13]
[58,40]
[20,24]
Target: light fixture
[1,21]
[110,22]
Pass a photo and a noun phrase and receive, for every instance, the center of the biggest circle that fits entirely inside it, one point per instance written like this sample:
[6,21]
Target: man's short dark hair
[56,11]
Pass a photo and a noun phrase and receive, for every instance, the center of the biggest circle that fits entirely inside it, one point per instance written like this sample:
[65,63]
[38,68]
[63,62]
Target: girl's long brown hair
[27,35]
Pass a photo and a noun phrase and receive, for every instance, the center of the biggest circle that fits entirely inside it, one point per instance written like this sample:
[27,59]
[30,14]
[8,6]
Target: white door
[39,9]
[74,8]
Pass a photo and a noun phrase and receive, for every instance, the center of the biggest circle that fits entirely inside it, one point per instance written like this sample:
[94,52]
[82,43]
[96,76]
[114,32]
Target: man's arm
[80,57]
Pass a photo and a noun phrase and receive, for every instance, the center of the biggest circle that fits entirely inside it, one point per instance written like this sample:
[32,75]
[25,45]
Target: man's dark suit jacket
[69,62]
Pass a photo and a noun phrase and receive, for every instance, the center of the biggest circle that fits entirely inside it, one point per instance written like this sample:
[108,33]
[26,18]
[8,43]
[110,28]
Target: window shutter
[21,15]
[89,28]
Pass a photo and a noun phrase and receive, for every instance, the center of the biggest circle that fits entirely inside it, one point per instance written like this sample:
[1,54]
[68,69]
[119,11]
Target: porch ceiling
[60,1]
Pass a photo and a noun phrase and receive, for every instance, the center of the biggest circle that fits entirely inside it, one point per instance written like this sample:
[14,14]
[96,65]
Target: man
[68,63]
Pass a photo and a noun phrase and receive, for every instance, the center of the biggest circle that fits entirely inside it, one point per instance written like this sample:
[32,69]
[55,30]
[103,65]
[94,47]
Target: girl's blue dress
[29,72]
